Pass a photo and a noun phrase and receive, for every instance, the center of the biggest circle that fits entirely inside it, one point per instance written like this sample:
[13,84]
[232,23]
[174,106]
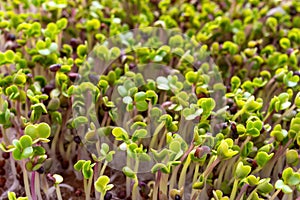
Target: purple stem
[32,185]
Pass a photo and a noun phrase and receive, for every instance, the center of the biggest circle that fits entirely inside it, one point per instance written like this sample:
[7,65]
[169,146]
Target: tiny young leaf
[242,170]
[43,130]
[58,178]
[25,141]
[128,172]
[78,165]
[87,170]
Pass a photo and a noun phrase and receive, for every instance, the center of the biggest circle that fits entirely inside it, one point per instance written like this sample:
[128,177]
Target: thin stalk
[104,120]
[240,112]
[220,176]
[155,134]
[32,185]
[174,173]
[196,172]
[211,167]
[181,182]
[61,148]
[288,196]
[5,138]
[195,177]
[245,142]
[45,186]
[268,116]
[251,194]
[26,182]
[242,191]
[279,166]
[257,170]
[265,171]
[37,186]
[69,150]
[85,185]
[195,195]
[228,171]
[155,189]
[103,168]
[273,197]
[58,193]
[18,108]
[234,189]
[88,190]
[135,192]
[271,92]
[285,113]
[102,196]
[173,178]
[96,171]
[161,142]
[163,184]
[55,140]
[90,40]
[127,178]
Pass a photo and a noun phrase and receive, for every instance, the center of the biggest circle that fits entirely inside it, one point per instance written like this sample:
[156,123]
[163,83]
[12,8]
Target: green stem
[268,116]
[85,185]
[173,177]
[44,185]
[271,92]
[162,140]
[176,168]
[155,134]
[183,172]
[5,138]
[155,189]
[275,195]
[103,168]
[240,112]
[96,171]
[105,117]
[55,139]
[37,186]
[228,172]
[135,194]
[251,194]
[88,190]
[196,172]
[163,186]
[281,150]
[128,181]
[195,177]
[211,166]
[245,142]
[234,189]
[289,196]
[220,176]
[89,40]
[242,191]
[26,182]
[285,113]
[195,195]
[102,196]
[69,150]
[58,193]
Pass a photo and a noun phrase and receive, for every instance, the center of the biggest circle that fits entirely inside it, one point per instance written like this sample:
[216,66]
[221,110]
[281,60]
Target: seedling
[102,186]
[58,179]
[210,93]
[86,169]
